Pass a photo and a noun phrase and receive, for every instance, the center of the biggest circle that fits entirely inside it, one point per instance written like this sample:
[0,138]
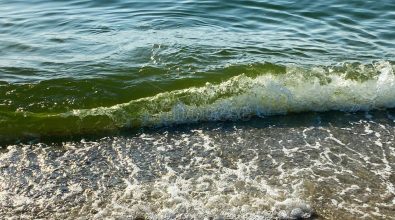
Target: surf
[317,89]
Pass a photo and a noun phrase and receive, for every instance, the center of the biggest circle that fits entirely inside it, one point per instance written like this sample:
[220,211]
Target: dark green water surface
[197,109]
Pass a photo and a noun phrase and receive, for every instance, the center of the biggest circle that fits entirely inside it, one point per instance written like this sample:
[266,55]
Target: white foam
[243,96]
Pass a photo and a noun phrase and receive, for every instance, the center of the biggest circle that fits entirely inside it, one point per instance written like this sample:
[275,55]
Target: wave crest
[244,96]
[296,90]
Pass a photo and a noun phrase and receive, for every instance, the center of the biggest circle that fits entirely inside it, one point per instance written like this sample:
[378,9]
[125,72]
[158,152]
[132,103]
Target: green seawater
[197,109]
[58,57]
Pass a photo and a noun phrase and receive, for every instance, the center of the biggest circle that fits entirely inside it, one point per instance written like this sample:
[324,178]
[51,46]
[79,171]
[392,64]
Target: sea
[197,109]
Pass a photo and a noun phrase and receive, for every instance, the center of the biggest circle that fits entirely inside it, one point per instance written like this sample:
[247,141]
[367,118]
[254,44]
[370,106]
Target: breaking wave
[318,89]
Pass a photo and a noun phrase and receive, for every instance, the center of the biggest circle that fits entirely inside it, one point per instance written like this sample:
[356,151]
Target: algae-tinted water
[155,88]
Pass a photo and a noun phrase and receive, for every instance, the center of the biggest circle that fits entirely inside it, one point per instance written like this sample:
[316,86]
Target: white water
[242,96]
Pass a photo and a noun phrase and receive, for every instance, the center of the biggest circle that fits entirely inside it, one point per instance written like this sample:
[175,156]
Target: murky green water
[114,72]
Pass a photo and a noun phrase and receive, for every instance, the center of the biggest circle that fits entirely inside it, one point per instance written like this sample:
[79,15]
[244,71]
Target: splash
[350,88]
[244,96]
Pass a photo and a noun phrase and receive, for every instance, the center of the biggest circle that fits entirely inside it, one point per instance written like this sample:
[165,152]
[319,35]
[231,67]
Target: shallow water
[197,109]
[321,166]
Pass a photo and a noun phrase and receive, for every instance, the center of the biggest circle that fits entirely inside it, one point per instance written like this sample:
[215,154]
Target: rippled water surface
[137,109]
